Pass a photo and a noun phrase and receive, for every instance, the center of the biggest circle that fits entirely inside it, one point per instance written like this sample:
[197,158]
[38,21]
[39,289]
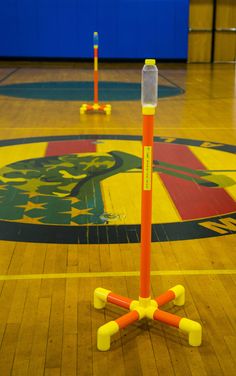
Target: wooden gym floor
[48,324]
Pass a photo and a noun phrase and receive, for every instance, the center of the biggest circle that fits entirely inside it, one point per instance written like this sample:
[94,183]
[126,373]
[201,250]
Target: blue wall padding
[64,28]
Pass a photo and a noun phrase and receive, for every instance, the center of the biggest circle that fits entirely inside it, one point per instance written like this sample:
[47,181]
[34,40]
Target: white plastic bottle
[149,84]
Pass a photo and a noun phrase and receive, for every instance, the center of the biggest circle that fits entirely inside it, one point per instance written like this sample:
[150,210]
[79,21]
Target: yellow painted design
[11,180]
[95,162]
[32,184]
[222,163]
[66,175]
[122,199]
[11,154]
[147,180]
[222,181]
[34,194]
[15,277]
[164,209]
[220,226]
[58,194]
[32,205]
[125,199]
[74,200]
[210,145]
[119,197]
[80,212]
[35,221]
[68,188]
[168,139]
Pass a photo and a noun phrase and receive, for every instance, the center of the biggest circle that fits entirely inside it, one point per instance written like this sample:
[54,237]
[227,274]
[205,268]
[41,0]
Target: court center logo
[87,189]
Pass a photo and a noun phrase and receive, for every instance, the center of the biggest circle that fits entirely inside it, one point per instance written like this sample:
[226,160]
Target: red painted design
[191,199]
[57,148]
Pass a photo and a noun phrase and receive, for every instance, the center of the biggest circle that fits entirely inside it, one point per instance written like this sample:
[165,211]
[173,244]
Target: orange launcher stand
[95,107]
[145,307]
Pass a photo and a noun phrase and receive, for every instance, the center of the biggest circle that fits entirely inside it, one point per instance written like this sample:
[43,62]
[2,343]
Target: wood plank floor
[48,324]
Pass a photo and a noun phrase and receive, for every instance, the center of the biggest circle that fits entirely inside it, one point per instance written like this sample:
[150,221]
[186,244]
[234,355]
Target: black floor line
[8,75]
[171,82]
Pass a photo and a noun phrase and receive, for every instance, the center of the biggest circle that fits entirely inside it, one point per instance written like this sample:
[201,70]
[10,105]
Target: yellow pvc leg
[104,335]
[100,297]
[193,329]
[179,292]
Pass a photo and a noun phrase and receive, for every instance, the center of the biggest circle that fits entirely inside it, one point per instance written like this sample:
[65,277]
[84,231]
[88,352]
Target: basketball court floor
[70,193]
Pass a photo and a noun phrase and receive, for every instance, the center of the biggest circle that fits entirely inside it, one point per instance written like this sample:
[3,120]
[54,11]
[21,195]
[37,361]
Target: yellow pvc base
[145,308]
[95,108]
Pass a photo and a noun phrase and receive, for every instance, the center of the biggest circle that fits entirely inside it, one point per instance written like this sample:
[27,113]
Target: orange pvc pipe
[127,319]
[119,300]
[165,298]
[167,318]
[95,75]
[146,207]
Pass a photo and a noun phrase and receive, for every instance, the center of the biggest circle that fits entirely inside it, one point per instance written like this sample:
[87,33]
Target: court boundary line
[8,75]
[15,277]
[116,128]
[171,82]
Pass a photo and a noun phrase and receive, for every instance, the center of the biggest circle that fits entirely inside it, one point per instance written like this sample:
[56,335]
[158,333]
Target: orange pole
[119,300]
[127,319]
[146,208]
[95,49]
[165,298]
[167,318]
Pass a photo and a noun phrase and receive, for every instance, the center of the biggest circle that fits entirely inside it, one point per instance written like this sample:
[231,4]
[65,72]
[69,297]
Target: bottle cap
[150,62]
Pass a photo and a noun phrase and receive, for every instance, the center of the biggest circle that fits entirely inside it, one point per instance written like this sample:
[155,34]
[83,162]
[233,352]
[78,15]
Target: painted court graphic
[87,189]
[82,91]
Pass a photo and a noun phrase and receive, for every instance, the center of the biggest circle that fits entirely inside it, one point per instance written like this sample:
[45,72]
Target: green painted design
[17,230]
[12,203]
[201,177]
[66,190]
[60,190]
[83,91]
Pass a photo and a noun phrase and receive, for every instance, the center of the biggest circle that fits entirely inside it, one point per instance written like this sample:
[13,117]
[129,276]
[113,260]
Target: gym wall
[212,31]
[128,29]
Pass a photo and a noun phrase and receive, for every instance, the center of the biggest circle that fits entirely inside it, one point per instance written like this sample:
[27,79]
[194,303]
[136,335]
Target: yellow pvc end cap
[148,110]
[150,62]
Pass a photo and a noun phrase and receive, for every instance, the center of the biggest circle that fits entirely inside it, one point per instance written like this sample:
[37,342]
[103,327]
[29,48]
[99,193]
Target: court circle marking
[106,233]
